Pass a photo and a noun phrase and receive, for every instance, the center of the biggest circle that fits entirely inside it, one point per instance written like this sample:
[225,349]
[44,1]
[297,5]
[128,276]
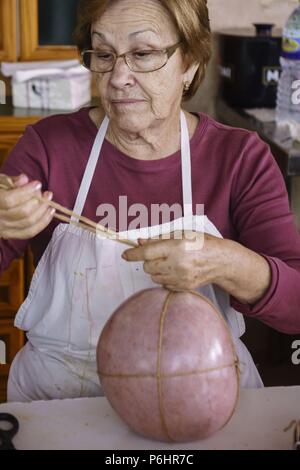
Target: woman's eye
[143,54]
[104,56]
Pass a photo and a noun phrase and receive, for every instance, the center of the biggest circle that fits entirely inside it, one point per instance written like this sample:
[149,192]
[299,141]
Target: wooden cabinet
[15,281]
[46,28]
[13,340]
[37,30]
[8,30]
[11,129]
[12,289]
[6,143]
[11,297]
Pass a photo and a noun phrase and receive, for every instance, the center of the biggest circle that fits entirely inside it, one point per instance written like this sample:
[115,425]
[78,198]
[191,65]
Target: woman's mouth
[126,102]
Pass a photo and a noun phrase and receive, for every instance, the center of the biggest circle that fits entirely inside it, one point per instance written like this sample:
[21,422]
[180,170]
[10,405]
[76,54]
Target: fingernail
[48,195]
[22,177]
[37,186]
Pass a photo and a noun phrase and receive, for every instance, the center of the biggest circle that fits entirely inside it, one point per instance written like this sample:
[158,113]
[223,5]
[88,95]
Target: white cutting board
[90,423]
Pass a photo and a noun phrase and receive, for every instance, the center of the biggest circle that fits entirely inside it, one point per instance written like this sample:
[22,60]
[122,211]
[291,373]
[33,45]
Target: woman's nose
[121,74]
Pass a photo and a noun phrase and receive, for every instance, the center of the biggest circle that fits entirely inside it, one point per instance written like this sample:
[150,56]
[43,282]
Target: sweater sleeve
[265,224]
[28,157]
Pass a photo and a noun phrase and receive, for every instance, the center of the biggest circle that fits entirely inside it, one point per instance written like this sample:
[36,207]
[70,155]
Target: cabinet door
[6,144]
[13,339]
[13,285]
[11,289]
[8,37]
[46,29]
[11,129]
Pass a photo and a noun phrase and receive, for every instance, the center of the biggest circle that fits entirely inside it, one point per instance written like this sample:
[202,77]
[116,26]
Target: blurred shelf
[285,150]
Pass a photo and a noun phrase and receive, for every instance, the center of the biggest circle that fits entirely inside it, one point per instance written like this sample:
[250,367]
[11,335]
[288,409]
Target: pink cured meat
[168,366]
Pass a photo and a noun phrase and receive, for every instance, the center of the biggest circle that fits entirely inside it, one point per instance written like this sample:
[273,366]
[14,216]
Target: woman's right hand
[22,216]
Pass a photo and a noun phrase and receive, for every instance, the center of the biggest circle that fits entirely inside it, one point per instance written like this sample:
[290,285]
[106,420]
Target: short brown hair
[189,16]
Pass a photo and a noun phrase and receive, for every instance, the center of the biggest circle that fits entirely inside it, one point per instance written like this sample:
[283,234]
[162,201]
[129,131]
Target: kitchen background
[239,14]
[242,14]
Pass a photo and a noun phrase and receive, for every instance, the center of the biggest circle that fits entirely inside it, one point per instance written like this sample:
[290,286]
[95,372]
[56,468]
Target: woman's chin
[131,121]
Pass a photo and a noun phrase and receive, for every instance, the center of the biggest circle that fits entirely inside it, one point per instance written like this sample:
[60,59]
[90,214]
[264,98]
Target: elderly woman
[147,56]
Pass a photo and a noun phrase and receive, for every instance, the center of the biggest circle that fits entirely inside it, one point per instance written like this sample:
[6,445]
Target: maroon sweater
[234,176]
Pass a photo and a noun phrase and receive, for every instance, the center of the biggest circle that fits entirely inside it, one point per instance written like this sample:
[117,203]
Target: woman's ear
[190,73]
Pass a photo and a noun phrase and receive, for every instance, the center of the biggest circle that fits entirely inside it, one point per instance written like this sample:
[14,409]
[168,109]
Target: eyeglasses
[142,60]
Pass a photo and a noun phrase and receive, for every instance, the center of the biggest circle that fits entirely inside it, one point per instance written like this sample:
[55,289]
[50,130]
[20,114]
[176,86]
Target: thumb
[20,180]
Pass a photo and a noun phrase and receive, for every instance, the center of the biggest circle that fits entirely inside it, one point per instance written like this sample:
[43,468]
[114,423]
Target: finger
[11,182]
[28,215]
[150,251]
[33,230]
[5,181]
[166,236]
[160,266]
[174,288]
[161,279]
[145,241]
[20,180]
[15,197]
[26,212]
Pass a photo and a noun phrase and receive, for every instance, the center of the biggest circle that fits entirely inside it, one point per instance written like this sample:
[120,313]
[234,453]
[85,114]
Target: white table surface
[90,423]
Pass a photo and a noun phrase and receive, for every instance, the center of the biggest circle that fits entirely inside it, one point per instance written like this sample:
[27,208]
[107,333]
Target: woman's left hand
[181,264]
[199,259]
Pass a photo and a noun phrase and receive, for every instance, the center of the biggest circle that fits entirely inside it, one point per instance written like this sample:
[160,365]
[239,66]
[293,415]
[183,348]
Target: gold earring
[186,86]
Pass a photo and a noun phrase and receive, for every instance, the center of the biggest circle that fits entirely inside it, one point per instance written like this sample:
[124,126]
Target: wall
[245,12]
[236,13]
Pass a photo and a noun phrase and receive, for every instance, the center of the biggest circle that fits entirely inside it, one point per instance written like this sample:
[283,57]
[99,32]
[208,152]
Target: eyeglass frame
[169,50]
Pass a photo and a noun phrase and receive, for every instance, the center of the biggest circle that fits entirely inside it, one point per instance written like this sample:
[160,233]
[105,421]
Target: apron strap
[90,169]
[186,168]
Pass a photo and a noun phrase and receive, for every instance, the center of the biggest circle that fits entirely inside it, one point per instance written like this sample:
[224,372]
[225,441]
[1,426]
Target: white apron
[79,282]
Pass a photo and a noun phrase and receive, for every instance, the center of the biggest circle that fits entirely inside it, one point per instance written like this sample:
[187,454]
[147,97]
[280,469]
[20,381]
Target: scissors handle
[6,436]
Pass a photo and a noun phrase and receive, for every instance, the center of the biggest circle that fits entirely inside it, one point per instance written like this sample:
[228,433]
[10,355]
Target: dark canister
[249,65]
